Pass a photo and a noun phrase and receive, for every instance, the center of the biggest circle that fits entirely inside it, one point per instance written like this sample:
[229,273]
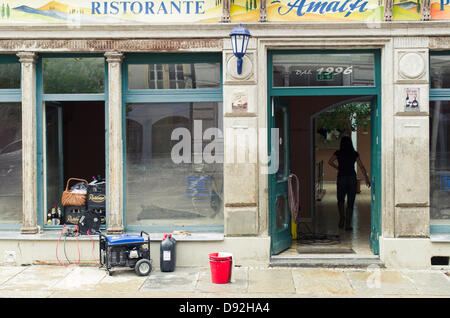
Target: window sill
[52,235]
[440,238]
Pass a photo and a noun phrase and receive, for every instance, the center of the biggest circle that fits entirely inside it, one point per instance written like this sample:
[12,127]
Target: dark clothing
[346,163]
[346,185]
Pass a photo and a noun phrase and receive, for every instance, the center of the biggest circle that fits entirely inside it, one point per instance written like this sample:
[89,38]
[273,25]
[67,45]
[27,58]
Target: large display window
[440,142]
[174,142]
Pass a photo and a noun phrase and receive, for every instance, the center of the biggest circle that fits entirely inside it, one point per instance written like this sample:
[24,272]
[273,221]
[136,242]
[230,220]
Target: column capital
[114,57]
[27,57]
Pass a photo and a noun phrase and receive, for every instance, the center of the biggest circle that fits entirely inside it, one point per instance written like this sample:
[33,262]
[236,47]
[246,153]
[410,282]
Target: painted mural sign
[244,10]
[325,10]
[440,9]
[110,11]
[406,10]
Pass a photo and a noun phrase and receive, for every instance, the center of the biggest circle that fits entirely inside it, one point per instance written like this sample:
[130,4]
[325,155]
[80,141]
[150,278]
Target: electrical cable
[93,247]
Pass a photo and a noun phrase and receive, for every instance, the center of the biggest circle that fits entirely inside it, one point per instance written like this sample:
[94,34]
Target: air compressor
[167,255]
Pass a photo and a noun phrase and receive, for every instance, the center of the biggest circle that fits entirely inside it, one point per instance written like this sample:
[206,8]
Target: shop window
[73,75]
[440,71]
[341,69]
[166,183]
[440,162]
[174,76]
[10,163]
[10,76]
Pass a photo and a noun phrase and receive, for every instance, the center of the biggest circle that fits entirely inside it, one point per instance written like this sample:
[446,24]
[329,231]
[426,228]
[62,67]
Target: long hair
[346,145]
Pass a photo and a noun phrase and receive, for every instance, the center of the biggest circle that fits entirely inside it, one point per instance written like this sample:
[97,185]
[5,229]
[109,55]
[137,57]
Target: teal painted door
[375,169]
[280,220]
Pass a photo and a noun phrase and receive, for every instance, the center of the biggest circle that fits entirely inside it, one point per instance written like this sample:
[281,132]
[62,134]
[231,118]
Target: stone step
[326,260]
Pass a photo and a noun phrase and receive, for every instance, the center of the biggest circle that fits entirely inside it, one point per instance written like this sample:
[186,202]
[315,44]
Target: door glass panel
[440,162]
[280,124]
[54,154]
[281,212]
[344,69]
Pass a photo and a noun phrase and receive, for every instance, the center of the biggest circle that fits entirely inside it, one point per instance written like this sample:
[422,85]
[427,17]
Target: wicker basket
[73,199]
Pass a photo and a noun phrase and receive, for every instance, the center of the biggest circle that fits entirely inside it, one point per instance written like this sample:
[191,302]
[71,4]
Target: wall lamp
[239,40]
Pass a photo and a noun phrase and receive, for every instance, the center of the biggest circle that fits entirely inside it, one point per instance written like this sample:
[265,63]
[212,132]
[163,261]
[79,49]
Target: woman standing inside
[346,157]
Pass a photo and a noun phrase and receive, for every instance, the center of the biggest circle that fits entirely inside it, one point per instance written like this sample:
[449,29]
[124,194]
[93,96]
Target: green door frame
[328,91]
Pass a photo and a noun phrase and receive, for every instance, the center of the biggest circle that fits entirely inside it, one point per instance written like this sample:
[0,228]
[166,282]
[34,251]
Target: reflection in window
[74,75]
[440,162]
[291,70]
[10,163]
[10,76]
[174,76]
[162,189]
[440,71]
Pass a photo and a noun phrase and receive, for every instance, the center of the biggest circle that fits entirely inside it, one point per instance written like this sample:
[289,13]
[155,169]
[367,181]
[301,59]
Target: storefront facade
[187,142]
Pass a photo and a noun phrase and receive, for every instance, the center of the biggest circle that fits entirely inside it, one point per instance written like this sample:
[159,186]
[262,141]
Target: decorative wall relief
[411,66]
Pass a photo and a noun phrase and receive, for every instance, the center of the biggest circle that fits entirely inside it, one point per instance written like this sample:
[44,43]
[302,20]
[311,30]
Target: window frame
[437,94]
[41,100]
[11,95]
[166,96]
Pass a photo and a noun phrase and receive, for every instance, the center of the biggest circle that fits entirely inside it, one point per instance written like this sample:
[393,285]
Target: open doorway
[74,146]
[313,127]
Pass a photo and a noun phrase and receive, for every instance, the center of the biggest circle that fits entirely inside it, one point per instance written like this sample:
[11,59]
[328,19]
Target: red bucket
[220,267]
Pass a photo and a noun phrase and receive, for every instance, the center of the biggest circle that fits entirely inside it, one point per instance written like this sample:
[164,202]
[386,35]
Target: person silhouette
[346,183]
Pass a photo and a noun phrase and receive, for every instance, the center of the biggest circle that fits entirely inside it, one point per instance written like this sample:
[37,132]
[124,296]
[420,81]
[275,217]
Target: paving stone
[430,283]
[181,280]
[238,284]
[81,278]
[7,272]
[380,282]
[270,280]
[37,278]
[121,281]
[322,282]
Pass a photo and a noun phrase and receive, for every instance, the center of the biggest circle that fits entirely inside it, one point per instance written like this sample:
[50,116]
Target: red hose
[294,197]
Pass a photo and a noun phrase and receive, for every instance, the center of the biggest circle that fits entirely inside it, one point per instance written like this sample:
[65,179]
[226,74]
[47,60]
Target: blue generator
[126,250]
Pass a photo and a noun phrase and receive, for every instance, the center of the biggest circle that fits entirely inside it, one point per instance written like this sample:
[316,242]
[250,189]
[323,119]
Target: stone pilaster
[29,176]
[411,138]
[241,144]
[115,144]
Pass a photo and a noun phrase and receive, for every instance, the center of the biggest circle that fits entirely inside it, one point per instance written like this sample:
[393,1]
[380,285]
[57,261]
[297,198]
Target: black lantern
[239,41]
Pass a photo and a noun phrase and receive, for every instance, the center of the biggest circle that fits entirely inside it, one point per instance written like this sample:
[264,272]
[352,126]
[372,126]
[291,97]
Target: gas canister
[167,257]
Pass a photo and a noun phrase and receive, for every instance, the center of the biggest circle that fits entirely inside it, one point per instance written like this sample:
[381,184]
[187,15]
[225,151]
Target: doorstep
[53,235]
[326,260]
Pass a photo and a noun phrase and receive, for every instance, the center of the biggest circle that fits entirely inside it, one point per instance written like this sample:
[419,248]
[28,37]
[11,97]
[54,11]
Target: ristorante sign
[110,12]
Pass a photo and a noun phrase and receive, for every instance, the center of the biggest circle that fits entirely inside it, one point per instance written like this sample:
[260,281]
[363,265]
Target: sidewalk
[195,282]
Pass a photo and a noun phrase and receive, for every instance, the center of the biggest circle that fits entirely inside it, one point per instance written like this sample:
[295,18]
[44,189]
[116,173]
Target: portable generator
[126,250]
